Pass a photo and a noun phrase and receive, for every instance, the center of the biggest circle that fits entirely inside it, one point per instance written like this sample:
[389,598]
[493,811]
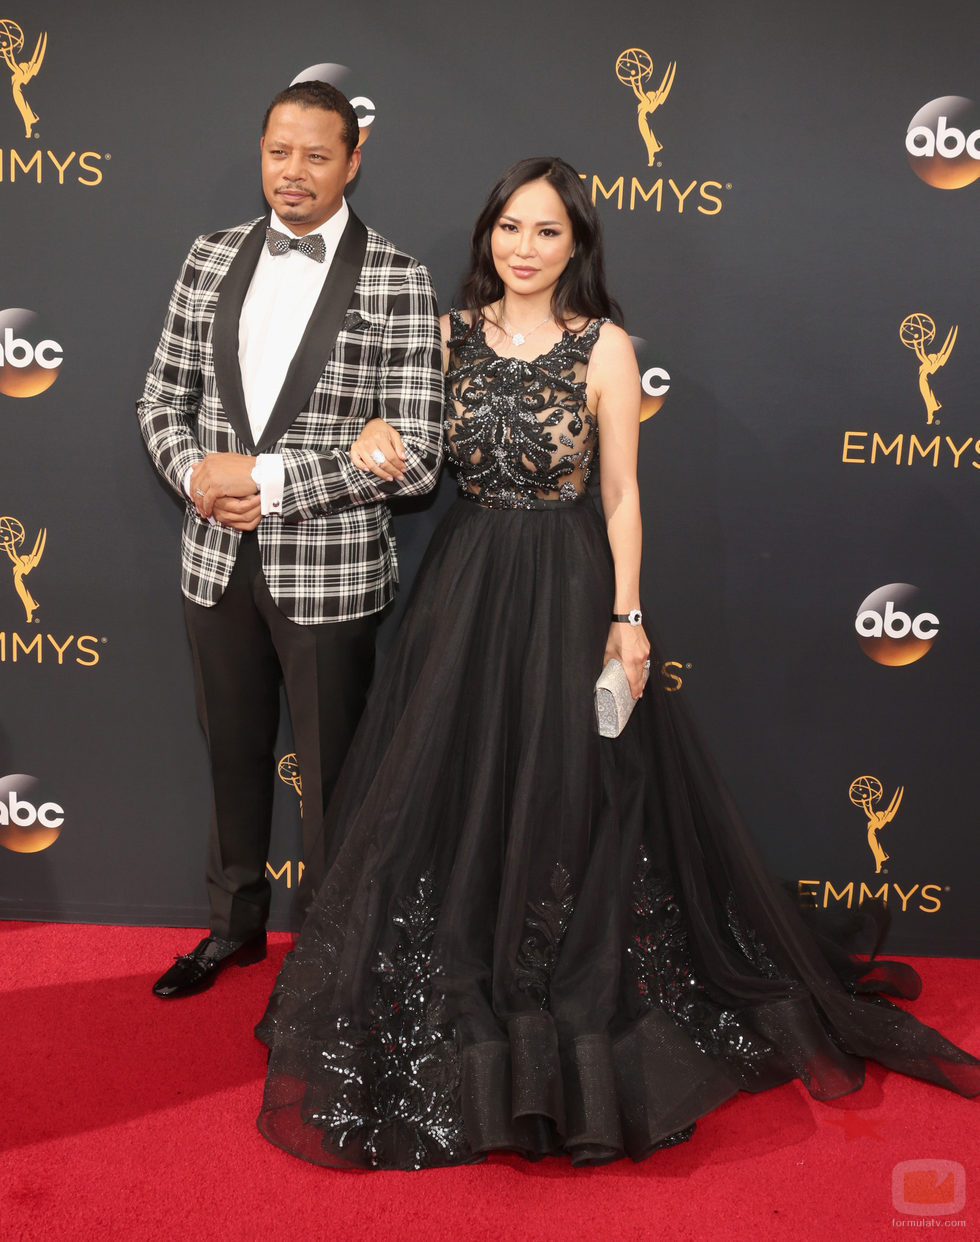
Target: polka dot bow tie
[312,246]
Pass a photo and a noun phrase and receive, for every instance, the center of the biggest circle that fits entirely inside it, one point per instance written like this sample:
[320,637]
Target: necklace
[518,338]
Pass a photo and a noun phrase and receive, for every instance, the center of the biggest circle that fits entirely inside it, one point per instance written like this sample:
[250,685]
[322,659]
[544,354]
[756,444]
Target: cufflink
[263,472]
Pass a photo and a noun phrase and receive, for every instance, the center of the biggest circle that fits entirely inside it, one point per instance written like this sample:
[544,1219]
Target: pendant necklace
[518,338]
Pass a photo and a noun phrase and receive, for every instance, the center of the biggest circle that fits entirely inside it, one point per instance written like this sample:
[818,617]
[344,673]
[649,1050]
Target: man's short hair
[324,96]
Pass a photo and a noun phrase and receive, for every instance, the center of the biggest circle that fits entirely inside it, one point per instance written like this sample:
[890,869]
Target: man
[292,346]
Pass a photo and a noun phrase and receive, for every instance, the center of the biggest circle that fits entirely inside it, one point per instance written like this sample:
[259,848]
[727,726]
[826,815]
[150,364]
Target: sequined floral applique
[663,976]
[394,1088]
[547,922]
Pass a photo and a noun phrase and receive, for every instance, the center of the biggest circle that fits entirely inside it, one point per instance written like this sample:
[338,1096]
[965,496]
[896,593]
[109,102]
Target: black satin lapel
[321,332]
[227,313]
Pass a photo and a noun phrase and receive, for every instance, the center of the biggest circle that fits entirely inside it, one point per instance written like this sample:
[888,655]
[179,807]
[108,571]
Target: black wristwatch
[634,617]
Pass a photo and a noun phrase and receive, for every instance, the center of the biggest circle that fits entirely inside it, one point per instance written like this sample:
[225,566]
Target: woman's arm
[614,393]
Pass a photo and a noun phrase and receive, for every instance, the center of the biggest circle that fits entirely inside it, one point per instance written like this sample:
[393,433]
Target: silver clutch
[613,698]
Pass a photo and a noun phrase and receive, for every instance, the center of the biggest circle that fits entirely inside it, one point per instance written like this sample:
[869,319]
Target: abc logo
[890,627]
[29,361]
[655,382]
[943,142]
[340,76]
[27,823]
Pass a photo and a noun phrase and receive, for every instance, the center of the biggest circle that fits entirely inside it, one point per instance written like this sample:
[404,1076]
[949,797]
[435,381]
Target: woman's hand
[631,647]
[379,437]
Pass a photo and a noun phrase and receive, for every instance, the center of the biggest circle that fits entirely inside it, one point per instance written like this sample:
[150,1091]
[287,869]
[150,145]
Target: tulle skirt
[534,939]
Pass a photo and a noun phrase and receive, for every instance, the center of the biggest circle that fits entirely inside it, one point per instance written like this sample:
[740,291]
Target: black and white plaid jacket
[371,349]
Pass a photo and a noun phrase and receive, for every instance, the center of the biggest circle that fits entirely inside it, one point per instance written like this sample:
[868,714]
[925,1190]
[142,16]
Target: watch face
[636,617]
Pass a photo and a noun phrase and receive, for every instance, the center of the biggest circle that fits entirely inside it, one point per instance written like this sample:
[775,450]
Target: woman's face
[532,241]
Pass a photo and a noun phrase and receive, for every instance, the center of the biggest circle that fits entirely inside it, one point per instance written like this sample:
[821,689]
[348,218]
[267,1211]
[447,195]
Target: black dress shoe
[197,970]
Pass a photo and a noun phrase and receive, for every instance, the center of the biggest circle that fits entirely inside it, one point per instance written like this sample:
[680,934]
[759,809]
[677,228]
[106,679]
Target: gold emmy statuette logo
[289,775]
[918,331]
[12,537]
[21,71]
[866,792]
[634,68]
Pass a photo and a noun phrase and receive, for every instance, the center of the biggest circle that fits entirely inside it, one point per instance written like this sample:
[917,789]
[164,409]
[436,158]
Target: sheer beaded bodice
[520,434]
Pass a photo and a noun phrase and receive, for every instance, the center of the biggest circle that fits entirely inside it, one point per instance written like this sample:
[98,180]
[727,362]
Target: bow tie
[312,246]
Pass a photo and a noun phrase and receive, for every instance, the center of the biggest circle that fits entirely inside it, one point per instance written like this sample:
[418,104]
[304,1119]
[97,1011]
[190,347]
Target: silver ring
[377,457]
[198,490]
[646,664]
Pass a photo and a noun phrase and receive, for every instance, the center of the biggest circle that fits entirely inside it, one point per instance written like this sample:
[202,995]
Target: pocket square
[354,322]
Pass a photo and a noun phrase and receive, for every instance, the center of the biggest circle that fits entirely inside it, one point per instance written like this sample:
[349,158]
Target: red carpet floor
[126,1117]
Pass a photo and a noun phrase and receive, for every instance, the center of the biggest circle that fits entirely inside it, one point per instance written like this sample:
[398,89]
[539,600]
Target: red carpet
[126,1117]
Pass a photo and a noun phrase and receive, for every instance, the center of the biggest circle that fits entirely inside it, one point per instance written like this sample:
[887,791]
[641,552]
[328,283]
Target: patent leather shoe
[197,970]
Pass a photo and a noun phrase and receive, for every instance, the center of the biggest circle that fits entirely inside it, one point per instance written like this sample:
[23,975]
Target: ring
[377,457]
[646,664]
[198,490]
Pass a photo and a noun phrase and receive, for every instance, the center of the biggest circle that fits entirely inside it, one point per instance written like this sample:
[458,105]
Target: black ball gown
[531,938]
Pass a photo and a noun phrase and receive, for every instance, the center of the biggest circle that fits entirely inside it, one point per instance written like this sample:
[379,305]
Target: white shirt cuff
[269,475]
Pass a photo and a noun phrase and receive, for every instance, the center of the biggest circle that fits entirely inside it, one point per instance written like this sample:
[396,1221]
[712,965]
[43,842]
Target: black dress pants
[243,648]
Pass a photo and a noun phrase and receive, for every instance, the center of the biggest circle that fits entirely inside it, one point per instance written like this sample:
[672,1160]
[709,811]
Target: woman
[532,938]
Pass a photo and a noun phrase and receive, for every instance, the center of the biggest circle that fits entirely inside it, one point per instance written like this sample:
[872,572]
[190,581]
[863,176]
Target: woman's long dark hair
[581,288]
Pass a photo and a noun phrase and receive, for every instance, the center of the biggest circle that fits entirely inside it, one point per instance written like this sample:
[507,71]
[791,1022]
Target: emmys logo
[29,361]
[12,539]
[867,792]
[890,630]
[655,382]
[14,647]
[943,142]
[84,166]
[342,79]
[918,331]
[21,71]
[289,775]
[863,448]
[634,68]
[27,824]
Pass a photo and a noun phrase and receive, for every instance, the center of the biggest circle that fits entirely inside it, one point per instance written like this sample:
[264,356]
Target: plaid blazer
[371,349]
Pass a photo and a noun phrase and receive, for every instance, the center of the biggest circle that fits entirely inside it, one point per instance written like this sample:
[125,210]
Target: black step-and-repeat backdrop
[790,196]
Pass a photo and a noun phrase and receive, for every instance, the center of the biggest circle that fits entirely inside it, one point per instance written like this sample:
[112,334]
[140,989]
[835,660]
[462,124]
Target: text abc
[15,351]
[896,624]
[947,141]
[25,814]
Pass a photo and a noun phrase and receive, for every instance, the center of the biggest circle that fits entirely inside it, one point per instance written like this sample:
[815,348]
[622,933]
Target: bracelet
[633,617]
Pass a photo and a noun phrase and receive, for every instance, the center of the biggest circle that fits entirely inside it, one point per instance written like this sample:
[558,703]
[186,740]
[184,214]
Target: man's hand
[219,475]
[240,513]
